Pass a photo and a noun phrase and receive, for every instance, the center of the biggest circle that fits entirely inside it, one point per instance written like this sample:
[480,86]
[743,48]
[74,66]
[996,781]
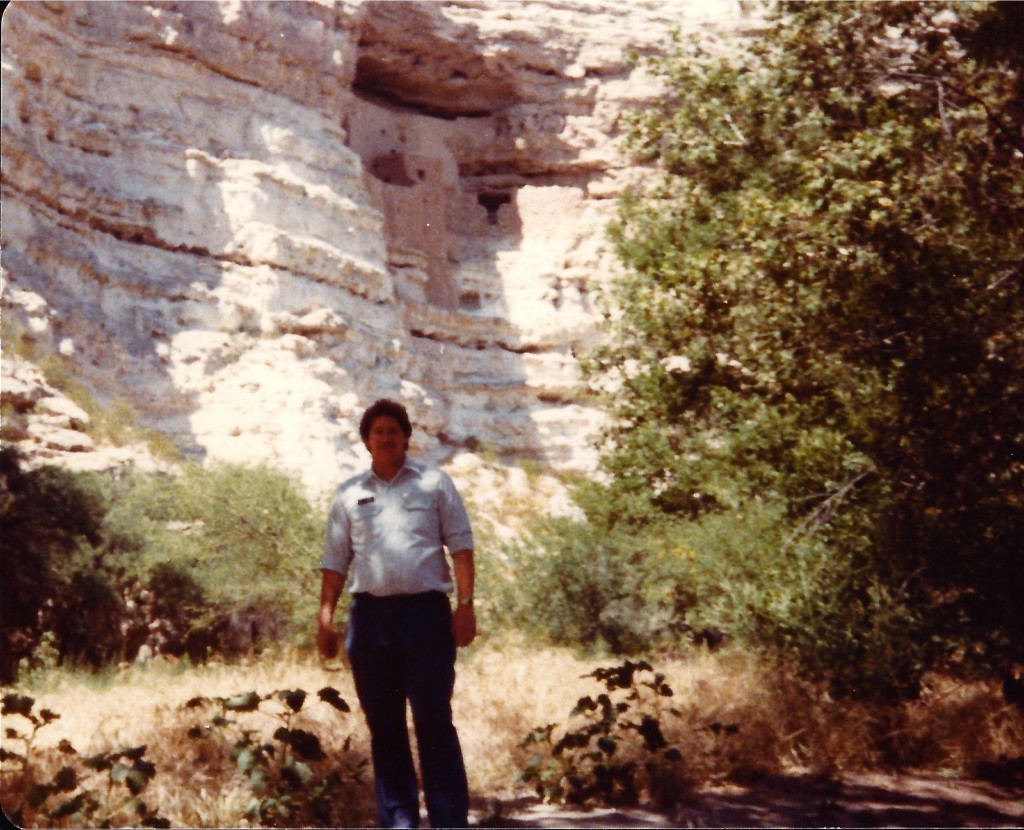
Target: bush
[93,621]
[775,590]
[744,576]
[613,749]
[581,584]
[228,555]
[52,527]
[218,560]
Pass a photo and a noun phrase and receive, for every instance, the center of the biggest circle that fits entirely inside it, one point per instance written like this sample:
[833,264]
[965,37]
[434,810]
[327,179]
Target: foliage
[44,659]
[102,790]
[213,560]
[53,530]
[614,749]
[753,577]
[824,310]
[617,589]
[736,576]
[227,553]
[288,776]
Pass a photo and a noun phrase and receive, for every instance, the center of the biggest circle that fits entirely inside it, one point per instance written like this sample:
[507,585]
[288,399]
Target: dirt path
[851,800]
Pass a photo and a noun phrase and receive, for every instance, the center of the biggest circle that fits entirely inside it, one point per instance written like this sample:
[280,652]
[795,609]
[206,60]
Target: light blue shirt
[389,537]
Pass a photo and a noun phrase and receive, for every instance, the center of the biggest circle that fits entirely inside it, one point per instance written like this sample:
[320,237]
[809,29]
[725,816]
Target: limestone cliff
[249,220]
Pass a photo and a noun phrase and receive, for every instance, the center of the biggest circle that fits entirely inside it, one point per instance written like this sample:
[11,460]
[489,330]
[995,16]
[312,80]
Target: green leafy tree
[52,522]
[218,558]
[615,590]
[221,542]
[823,308]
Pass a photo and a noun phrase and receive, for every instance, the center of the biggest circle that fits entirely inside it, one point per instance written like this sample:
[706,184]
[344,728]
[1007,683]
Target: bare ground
[848,800]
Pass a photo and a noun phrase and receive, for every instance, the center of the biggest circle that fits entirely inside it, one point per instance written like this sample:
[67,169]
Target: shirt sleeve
[338,544]
[456,533]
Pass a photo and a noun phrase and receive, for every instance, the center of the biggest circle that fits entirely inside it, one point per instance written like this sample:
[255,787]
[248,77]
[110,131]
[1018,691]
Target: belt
[397,599]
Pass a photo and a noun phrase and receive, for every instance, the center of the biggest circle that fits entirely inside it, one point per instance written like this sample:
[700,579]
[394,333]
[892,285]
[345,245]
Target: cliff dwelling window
[390,169]
[491,202]
[470,301]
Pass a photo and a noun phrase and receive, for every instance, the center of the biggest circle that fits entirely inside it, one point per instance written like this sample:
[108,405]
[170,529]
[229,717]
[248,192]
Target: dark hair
[387,408]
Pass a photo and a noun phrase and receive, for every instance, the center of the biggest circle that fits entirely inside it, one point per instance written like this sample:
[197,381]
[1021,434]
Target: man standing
[387,531]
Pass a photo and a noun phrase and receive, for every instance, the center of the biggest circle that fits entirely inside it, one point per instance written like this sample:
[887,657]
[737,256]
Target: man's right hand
[327,642]
[326,636]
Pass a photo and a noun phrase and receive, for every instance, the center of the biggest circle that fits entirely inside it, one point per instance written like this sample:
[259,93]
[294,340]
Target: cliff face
[249,220]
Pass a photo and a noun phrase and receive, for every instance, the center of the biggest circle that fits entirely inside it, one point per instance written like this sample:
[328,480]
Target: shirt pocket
[364,520]
[421,518]
[418,503]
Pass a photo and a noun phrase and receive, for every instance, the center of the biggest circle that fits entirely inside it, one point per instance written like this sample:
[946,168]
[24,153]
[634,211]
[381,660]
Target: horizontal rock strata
[249,220]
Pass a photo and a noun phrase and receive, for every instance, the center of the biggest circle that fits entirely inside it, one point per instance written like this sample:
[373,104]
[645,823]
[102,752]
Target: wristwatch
[468,601]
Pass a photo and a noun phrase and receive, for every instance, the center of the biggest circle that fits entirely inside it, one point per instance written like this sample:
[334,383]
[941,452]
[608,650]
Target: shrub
[612,589]
[228,555]
[52,524]
[744,576]
[217,560]
[293,781]
[801,597]
[613,749]
[92,621]
[102,790]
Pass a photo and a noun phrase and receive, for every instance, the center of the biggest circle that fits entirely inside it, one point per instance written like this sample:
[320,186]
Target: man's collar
[413,467]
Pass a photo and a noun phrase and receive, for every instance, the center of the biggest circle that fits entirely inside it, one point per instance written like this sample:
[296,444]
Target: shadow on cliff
[160,223]
[438,124]
[99,190]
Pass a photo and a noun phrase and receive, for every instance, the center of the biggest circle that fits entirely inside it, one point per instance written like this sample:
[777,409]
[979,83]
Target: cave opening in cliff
[407,58]
[456,96]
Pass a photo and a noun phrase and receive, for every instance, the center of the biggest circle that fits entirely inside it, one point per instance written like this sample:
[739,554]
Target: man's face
[386,442]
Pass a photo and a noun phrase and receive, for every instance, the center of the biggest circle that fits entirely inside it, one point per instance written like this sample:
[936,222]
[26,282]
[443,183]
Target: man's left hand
[464,625]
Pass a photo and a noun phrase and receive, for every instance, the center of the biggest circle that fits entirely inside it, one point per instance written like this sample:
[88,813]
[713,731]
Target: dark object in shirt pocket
[366,510]
[365,514]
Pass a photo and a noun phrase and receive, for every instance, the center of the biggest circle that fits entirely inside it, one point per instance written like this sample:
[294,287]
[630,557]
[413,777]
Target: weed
[287,775]
[102,790]
[615,750]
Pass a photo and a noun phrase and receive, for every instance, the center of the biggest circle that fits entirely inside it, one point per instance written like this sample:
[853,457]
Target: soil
[848,800]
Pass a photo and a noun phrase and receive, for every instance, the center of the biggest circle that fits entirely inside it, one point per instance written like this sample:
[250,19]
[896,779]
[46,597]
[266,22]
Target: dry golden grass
[505,688]
[196,786]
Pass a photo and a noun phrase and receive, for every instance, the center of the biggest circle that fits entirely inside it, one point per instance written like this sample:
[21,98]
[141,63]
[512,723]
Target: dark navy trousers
[401,649]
